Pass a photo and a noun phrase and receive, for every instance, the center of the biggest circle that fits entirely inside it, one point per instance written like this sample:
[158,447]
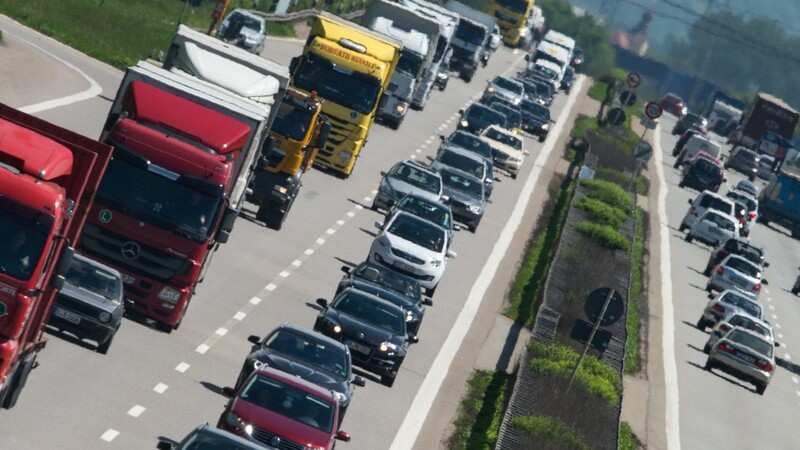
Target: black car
[308,355]
[477,117]
[744,161]
[536,119]
[568,79]
[535,92]
[373,328]
[497,100]
[387,284]
[463,159]
[578,58]
[443,76]
[689,120]
[544,86]
[512,115]
[470,142]
[702,173]
[466,196]
[735,245]
[209,438]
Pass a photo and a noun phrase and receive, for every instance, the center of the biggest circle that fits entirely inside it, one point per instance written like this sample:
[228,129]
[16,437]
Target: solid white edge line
[420,407]
[672,410]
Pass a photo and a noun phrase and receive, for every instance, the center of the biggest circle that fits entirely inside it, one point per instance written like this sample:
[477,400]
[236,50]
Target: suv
[244,29]
[466,196]
[305,354]
[407,177]
[750,204]
[696,144]
[745,161]
[478,117]
[273,407]
[468,162]
[705,200]
[685,138]
[702,173]
[90,305]
[735,245]
[689,120]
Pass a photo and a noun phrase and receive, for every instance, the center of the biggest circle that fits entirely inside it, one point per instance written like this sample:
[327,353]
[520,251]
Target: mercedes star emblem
[131,250]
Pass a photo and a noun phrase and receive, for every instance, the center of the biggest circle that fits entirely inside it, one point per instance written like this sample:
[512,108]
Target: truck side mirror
[293,64]
[225,228]
[65,261]
[267,146]
[322,137]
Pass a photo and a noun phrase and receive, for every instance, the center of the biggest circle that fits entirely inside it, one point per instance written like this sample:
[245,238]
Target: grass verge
[628,440]
[280,29]
[480,413]
[633,324]
[549,432]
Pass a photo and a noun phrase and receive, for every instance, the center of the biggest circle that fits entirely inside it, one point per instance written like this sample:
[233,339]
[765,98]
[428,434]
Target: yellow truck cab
[512,16]
[349,67]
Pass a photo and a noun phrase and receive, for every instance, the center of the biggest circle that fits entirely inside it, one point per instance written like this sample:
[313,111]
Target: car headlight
[436,262]
[684,110]
[463,123]
[409,316]
[169,295]
[104,316]
[388,348]
[234,420]
[340,398]
[399,107]
[344,154]
[545,126]
[516,101]
[474,209]
[540,101]
[515,159]
[441,75]
[386,188]
[280,189]
[489,90]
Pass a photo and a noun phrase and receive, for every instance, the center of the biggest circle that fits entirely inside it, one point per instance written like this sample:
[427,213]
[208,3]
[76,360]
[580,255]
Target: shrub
[627,440]
[582,124]
[607,236]
[602,211]
[548,428]
[609,192]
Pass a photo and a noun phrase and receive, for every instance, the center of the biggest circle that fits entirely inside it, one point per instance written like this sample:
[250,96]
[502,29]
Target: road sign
[648,123]
[634,80]
[583,329]
[653,110]
[594,305]
[642,152]
[627,97]
[616,116]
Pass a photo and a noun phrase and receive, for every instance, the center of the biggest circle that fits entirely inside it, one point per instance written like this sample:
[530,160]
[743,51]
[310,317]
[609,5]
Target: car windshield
[436,213]
[158,197]
[96,279]
[289,401]
[512,117]
[507,139]
[471,187]
[422,179]
[293,119]
[745,304]
[410,62]
[505,83]
[24,230]
[318,354]
[480,112]
[388,317]
[518,6]
[418,231]
[536,109]
[462,162]
[721,221]
[390,280]
[470,142]
[334,83]
[746,322]
[744,266]
[706,167]
[754,342]
[246,22]
[207,440]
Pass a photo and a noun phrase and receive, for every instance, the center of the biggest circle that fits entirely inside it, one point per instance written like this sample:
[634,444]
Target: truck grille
[407,256]
[265,437]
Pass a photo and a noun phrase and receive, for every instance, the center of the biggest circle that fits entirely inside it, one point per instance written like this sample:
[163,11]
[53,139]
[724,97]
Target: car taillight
[718,308]
[751,215]
[720,269]
[757,287]
[725,348]
[741,219]
[725,328]
[764,365]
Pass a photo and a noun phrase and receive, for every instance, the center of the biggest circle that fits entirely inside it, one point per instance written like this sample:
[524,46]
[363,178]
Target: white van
[695,145]
[553,53]
[703,202]
[560,39]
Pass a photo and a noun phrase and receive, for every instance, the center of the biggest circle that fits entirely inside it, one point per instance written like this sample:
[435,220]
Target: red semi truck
[48,179]
[184,154]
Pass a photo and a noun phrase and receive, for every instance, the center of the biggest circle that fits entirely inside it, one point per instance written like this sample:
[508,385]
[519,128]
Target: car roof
[750,332]
[461,151]
[374,298]
[415,164]
[461,173]
[739,312]
[295,381]
[311,335]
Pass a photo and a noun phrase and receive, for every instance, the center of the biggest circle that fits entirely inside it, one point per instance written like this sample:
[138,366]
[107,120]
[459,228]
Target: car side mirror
[228,391]
[427,302]
[710,296]
[430,158]
[166,444]
[322,137]
[445,198]
[345,269]
[764,281]
[413,339]
[343,436]
[253,339]
[451,254]
[690,201]
[777,344]
[724,179]
[322,302]
[497,179]
[766,264]
[383,174]
[461,111]
[358,380]
[379,225]
[441,137]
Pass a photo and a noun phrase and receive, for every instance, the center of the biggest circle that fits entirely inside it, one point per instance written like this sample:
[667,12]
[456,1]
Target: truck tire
[20,377]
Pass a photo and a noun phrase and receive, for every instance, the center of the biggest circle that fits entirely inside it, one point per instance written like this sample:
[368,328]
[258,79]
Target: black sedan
[303,353]
[535,119]
[373,328]
[477,117]
[466,196]
[387,284]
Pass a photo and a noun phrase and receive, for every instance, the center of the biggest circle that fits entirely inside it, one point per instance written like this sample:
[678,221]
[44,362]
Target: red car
[673,104]
[277,409]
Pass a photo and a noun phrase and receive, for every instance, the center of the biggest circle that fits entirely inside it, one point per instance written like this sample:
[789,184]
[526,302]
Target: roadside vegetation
[480,412]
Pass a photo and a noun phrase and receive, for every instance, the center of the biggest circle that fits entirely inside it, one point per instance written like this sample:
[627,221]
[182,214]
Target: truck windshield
[410,62]
[158,199]
[292,121]
[24,232]
[518,6]
[470,33]
[350,89]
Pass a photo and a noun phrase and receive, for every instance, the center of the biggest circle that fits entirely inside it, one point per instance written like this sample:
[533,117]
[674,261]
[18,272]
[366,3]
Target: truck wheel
[103,348]
[20,377]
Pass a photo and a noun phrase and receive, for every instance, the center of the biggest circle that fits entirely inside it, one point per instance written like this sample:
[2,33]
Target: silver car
[736,272]
[738,319]
[725,303]
[245,29]
[505,88]
[713,227]
[746,355]
[407,177]
[765,166]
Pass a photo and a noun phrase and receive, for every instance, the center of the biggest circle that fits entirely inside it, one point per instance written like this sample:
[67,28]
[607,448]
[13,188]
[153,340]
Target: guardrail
[303,15]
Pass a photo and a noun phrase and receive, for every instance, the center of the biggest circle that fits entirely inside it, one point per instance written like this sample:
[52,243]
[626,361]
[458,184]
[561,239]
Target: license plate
[403,266]
[746,357]
[358,347]
[66,315]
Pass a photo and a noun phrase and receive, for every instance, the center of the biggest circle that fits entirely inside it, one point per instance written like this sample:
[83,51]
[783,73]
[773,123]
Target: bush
[596,377]
[550,429]
[481,412]
[607,236]
[610,193]
[582,124]
[602,211]
[622,179]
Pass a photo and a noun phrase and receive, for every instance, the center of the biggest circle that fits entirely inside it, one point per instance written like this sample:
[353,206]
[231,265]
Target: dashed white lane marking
[448,121]
[297,263]
[796,381]
[109,435]
[330,231]
[418,150]
[423,146]
[766,291]
[428,141]
[309,252]
[775,316]
[769,299]
[780,336]
[255,301]
[359,207]
[239,316]
[284,274]
[136,411]
[777,325]
[182,367]
[351,214]
[160,388]
[340,222]
[270,287]
[770,307]
[787,356]
[202,349]
[368,199]
[413,156]
[221,331]
[320,241]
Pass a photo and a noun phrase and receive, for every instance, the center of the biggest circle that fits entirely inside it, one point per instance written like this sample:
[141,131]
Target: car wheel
[709,288]
[752,178]
[701,324]
[103,348]
[542,138]
[709,365]
[164,327]
[707,270]
[682,227]
[373,206]
[688,237]
[513,176]
[795,290]
[681,184]
[388,380]
[760,388]
[431,291]
[706,348]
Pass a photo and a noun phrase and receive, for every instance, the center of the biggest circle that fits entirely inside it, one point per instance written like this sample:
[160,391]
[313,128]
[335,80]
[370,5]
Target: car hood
[507,149]
[382,292]
[302,370]
[411,248]
[372,334]
[89,297]
[462,197]
[403,187]
[281,425]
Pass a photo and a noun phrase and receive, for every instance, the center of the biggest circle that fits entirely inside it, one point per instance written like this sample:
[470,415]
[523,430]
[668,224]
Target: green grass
[280,29]
[633,324]
[609,192]
[480,413]
[627,440]
[548,429]
[584,124]
[598,91]
[530,278]
[602,212]
[605,235]
[596,377]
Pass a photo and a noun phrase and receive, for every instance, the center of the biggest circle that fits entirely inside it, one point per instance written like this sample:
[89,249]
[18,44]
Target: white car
[735,272]
[739,319]
[506,88]
[751,204]
[705,201]
[726,302]
[713,227]
[244,28]
[413,247]
[407,177]
[508,149]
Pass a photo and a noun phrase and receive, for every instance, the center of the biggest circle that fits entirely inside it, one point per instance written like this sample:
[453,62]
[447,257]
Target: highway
[716,410]
[152,384]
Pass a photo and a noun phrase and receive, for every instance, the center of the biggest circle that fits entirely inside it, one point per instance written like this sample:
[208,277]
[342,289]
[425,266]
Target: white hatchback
[414,247]
[713,227]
